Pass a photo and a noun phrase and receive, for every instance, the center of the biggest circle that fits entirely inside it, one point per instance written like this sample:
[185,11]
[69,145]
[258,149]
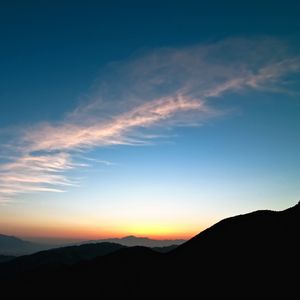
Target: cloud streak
[29,173]
[71,136]
[165,87]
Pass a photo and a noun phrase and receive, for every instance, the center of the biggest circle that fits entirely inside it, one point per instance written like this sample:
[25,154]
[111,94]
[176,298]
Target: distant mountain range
[14,246]
[10,245]
[131,241]
[255,255]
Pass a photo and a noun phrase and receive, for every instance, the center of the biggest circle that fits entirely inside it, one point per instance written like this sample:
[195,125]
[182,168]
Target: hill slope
[257,252]
[55,258]
[258,231]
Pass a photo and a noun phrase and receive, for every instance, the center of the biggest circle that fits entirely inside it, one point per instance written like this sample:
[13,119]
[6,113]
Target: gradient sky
[152,118]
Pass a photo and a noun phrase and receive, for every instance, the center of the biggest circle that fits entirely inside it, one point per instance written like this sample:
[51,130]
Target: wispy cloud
[165,87]
[72,136]
[29,173]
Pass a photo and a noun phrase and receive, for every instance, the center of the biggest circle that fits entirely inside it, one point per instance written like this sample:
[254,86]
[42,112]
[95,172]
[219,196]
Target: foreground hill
[56,258]
[257,253]
[256,231]
[251,255]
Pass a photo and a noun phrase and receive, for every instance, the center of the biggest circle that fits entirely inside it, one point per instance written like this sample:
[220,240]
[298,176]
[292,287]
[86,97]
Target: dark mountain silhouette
[14,246]
[258,230]
[56,257]
[254,255]
[62,256]
[10,245]
[132,240]
[165,249]
[257,252]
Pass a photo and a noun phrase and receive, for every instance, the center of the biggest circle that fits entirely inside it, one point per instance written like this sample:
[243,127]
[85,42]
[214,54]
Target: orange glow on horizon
[79,228]
[153,232]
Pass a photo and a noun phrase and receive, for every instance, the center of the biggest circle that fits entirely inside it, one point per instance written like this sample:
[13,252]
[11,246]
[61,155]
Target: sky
[151,118]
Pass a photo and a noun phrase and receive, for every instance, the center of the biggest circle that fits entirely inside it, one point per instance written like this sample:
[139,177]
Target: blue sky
[146,118]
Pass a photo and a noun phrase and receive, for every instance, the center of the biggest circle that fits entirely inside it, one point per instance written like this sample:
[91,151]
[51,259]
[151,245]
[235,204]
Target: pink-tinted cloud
[35,173]
[28,173]
[68,136]
[164,87]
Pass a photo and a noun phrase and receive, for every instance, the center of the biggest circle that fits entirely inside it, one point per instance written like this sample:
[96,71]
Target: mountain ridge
[15,246]
[248,221]
[132,240]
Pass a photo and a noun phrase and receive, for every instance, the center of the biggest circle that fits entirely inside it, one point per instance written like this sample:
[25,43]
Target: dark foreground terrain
[255,255]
